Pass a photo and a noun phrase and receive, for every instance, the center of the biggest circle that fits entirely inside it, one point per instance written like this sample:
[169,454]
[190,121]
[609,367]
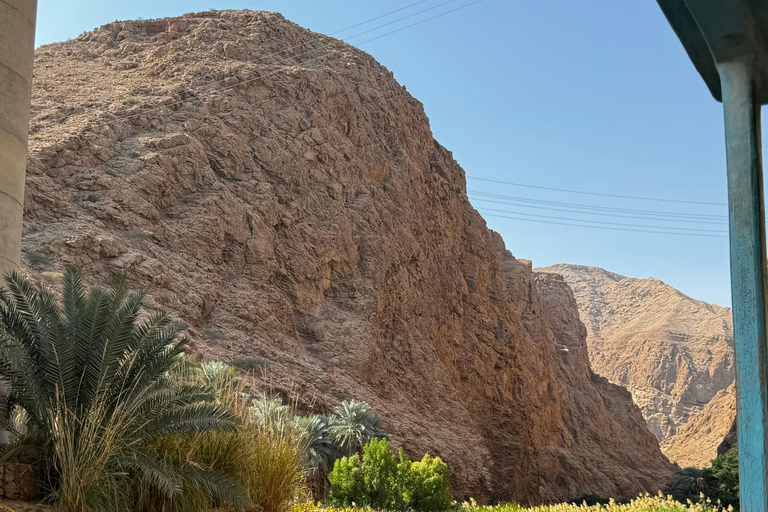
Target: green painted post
[748,275]
[727,41]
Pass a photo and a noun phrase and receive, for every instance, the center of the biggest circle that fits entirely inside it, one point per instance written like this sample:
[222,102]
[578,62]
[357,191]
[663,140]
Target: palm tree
[92,382]
[353,426]
[271,414]
[687,484]
[320,448]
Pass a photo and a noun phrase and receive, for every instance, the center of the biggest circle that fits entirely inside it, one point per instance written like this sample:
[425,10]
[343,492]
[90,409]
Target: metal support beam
[740,86]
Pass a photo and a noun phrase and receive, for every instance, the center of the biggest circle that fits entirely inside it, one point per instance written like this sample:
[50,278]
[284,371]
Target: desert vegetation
[104,402]
[640,504]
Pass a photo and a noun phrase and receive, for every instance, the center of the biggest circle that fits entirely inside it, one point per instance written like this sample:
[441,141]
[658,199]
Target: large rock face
[296,211]
[697,442]
[672,352]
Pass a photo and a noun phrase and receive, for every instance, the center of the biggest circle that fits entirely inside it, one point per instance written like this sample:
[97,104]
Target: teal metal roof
[715,31]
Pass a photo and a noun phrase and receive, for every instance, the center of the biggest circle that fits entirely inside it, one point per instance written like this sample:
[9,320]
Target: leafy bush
[428,485]
[91,382]
[386,482]
[723,479]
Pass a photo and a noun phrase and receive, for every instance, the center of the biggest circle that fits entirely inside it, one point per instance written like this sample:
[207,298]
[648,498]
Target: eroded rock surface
[295,210]
[699,440]
[672,352]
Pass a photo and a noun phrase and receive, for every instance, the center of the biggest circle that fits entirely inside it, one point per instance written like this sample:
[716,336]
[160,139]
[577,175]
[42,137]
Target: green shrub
[428,488]
[723,479]
[347,483]
[386,482]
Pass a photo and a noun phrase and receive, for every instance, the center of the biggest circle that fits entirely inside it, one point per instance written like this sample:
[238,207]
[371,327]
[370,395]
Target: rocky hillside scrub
[282,194]
[673,353]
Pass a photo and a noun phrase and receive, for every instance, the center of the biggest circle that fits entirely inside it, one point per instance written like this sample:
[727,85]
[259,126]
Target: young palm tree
[91,381]
[320,448]
[353,426]
[688,484]
[271,413]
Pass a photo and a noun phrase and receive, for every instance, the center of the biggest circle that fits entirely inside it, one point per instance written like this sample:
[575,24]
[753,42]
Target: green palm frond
[90,379]
[155,472]
[354,425]
[319,445]
[271,413]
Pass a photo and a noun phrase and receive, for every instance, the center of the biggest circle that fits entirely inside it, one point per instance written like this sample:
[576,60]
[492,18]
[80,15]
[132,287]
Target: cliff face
[699,441]
[296,211]
[672,352]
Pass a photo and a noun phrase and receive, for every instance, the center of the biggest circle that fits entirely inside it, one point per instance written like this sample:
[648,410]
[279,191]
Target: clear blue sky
[592,95]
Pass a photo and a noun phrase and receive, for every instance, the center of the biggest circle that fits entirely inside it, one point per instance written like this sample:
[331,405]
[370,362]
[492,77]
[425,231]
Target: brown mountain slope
[696,442]
[296,211]
[672,352]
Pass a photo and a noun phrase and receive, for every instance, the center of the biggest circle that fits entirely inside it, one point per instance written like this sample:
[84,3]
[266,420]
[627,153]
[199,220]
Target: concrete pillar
[17,45]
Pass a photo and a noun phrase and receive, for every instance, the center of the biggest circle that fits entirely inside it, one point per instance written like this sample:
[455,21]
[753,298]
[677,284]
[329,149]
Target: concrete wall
[17,44]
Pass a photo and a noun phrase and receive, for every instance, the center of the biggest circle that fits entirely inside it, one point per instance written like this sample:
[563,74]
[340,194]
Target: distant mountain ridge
[672,352]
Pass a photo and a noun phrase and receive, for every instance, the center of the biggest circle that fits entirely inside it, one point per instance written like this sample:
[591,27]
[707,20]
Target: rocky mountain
[280,192]
[697,442]
[672,352]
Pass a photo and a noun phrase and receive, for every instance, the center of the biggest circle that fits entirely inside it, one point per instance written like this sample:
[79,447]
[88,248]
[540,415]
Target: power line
[514,200]
[611,215]
[329,43]
[599,222]
[378,17]
[419,22]
[603,227]
[619,196]
[604,214]
[407,17]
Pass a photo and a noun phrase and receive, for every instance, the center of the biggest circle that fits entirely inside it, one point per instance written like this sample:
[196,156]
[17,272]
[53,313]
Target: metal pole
[748,275]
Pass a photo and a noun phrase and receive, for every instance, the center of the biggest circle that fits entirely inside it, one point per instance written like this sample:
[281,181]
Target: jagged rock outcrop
[296,211]
[698,441]
[672,352]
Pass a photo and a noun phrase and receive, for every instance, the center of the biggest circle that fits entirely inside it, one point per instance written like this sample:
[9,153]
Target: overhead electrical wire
[607,223]
[293,57]
[607,209]
[378,17]
[604,227]
[419,22]
[611,215]
[601,194]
